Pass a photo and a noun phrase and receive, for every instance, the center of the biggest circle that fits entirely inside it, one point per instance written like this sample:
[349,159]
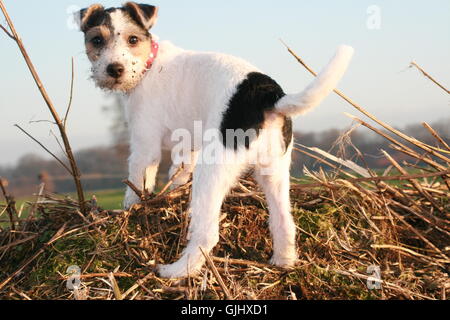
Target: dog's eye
[133,40]
[97,41]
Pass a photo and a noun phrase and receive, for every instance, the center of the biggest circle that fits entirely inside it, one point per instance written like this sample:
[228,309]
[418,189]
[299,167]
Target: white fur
[185,87]
[297,104]
[118,52]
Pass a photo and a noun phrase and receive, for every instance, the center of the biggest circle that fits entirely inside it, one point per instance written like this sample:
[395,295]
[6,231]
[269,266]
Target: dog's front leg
[143,166]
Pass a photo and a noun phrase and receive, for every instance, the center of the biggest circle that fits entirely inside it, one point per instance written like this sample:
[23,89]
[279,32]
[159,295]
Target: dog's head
[118,43]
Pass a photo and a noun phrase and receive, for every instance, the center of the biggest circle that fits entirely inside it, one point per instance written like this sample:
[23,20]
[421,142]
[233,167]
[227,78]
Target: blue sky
[378,78]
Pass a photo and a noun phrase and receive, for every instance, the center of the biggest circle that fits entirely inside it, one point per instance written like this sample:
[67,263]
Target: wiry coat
[184,89]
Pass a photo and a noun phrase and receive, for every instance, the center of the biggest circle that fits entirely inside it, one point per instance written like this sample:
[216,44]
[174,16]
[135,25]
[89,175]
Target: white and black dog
[167,89]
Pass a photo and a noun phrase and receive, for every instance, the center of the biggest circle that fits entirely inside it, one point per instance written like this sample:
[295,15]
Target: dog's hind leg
[275,182]
[211,183]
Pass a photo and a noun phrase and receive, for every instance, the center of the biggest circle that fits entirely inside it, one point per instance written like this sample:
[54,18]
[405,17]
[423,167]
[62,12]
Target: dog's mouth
[111,84]
[129,79]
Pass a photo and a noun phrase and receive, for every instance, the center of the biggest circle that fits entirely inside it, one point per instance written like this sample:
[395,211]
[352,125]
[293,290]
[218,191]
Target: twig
[22,294]
[414,64]
[377,179]
[408,251]
[138,283]
[243,262]
[171,181]
[405,149]
[71,95]
[10,204]
[7,32]
[35,204]
[13,244]
[45,148]
[436,135]
[417,233]
[216,273]
[41,121]
[414,182]
[134,188]
[170,195]
[115,286]
[100,275]
[75,170]
[58,142]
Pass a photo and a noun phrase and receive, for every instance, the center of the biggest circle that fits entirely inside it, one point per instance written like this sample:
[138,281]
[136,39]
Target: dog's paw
[180,269]
[284,262]
[131,199]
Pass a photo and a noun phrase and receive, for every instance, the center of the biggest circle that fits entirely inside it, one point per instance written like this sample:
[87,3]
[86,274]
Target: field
[107,199]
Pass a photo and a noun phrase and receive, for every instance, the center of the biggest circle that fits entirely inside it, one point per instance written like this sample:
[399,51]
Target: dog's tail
[294,105]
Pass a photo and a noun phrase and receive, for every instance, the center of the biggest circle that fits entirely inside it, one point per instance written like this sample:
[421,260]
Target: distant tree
[109,163]
[118,128]
[47,181]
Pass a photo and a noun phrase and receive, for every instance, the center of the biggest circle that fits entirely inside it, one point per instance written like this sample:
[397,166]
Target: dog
[166,89]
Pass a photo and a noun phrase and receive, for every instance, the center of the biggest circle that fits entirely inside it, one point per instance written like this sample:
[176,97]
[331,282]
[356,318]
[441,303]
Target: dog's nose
[115,70]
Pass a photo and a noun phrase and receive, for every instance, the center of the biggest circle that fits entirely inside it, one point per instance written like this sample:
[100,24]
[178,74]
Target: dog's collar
[153,55]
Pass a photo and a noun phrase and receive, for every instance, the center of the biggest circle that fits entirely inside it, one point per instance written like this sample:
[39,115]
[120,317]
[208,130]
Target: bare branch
[171,180]
[71,94]
[40,121]
[45,148]
[216,273]
[414,64]
[10,203]
[58,142]
[436,135]
[135,189]
[7,32]
[74,168]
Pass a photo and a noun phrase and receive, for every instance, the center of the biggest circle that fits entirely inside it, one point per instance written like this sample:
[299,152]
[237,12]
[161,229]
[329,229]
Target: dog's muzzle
[115,70]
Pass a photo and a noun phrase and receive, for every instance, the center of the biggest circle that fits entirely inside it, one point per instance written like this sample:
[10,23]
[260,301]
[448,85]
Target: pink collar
[153,55]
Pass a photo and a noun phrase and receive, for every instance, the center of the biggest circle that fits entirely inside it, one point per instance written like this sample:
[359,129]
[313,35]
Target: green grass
[107,199]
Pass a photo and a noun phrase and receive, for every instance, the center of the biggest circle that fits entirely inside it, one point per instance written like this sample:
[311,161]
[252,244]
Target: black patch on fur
[287,132]
[147,11]
[256,94]
[97,18]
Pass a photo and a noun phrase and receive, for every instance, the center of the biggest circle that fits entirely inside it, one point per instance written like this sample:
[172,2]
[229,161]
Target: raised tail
[294,105]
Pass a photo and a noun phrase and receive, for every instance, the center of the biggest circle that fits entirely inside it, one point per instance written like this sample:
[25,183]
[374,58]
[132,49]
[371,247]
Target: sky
[387,35]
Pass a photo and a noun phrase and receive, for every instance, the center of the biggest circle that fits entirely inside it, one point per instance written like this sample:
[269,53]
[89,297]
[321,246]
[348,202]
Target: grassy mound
[343,229]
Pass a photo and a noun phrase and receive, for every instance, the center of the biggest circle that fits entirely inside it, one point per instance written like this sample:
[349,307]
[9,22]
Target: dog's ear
[90,17]
[143,14]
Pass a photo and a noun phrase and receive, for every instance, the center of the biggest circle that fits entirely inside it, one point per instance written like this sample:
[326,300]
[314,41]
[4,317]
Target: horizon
[380,64]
